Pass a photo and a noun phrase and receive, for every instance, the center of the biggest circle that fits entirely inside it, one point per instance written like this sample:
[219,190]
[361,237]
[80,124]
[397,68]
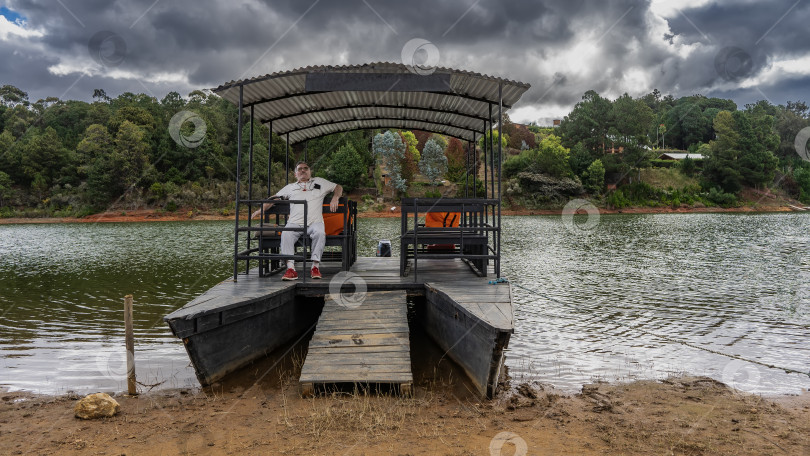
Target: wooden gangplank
[360,341]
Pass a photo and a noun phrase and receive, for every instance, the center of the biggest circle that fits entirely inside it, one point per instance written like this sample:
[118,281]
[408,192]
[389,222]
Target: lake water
[616,298]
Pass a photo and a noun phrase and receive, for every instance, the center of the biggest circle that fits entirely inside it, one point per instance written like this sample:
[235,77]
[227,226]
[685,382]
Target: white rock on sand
[98,405]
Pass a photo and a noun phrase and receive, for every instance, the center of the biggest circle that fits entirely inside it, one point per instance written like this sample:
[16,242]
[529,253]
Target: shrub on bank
[721,198]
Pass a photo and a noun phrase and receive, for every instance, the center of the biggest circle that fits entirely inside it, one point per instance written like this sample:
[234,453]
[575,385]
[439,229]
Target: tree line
[67,157]
[603,141]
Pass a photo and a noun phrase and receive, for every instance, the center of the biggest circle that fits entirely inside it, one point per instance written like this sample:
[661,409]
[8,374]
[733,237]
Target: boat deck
[375,273]
[360,342]
[234,323]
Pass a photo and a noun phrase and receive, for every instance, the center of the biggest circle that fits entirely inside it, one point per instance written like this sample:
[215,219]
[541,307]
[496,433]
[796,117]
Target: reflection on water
[606,303]
[61,300]
[612,302]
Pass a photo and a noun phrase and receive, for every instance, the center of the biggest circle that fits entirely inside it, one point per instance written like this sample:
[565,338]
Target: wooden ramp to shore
[360,341]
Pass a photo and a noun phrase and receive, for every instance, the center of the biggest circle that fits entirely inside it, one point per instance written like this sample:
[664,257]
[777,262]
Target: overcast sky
[739,49]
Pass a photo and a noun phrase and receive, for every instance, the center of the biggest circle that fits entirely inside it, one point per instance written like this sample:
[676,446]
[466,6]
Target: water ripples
[608,303]
[732,283]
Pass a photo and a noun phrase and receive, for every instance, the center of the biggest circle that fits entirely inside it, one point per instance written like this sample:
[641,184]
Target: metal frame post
[492,154]
[500,160]
[287,161]
[269,158]
[250,185]
[487,129]
[238,171]
[467,167]
[487,148]
[491,151]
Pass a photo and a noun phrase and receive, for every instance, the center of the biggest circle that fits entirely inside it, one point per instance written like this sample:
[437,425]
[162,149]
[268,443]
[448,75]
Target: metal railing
[281,209]
[475,240]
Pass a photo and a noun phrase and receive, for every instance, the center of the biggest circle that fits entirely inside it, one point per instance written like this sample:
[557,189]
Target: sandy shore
[679,416]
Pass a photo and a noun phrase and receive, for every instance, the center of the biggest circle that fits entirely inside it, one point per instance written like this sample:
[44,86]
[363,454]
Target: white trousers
[316,233]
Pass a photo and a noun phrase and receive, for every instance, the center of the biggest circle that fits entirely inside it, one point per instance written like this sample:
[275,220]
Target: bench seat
[341,232]
[452,228]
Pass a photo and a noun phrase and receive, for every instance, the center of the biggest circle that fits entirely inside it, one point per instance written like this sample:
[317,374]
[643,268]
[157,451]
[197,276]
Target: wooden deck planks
[490,303]
[368,343]
[378,327]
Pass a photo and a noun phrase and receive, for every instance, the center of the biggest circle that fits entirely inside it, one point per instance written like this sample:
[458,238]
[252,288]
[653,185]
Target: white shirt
[313,191]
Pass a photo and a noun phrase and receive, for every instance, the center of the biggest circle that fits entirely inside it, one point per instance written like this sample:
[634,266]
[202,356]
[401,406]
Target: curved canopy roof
[315,101]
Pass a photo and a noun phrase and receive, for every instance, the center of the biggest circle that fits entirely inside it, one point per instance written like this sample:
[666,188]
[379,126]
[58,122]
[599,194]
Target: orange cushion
[332,222]
[441,246]
[442,219]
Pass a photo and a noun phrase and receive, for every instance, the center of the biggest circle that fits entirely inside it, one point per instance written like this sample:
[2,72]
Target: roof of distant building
[677,156]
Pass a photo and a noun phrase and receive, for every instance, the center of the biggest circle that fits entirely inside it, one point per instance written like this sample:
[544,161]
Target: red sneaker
[290,274]
[315,273]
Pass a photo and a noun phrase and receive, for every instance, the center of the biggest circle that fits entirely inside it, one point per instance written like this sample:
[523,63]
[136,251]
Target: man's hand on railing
[265,206]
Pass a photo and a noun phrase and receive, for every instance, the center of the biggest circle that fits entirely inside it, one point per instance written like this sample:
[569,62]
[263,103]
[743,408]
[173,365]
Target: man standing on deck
[313,190]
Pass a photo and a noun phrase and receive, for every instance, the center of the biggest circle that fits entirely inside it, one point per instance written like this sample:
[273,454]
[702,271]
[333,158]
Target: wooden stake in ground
[130,341]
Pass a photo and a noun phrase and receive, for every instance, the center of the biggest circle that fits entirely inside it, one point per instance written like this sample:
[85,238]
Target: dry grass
[664,178]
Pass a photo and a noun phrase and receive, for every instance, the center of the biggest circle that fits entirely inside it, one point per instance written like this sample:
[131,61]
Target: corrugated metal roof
[459,110]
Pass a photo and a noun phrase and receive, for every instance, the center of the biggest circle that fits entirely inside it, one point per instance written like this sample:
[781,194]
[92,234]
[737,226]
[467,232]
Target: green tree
[579,159]
[6,190]
[69,119]
[346,168]
[40,186]
[788,122]
[96,143]
[552,158]
[686,125]
[173,102]
[632,120]
[456,159]
[43,154]
[129,154]
[410,140]
[390,149]
[441,140]
[593,179]
[433,164]
[18,119]
[100,95]
[687,166]
[588,123]
[486,141]
[721,167]
[409,164]
[802,176]
[9,161]
[12,96]
[757,142]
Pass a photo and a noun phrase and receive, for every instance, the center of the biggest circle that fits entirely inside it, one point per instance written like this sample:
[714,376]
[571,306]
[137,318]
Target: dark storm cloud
[786,90]
[777,26]
[185,45]
[764,31]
